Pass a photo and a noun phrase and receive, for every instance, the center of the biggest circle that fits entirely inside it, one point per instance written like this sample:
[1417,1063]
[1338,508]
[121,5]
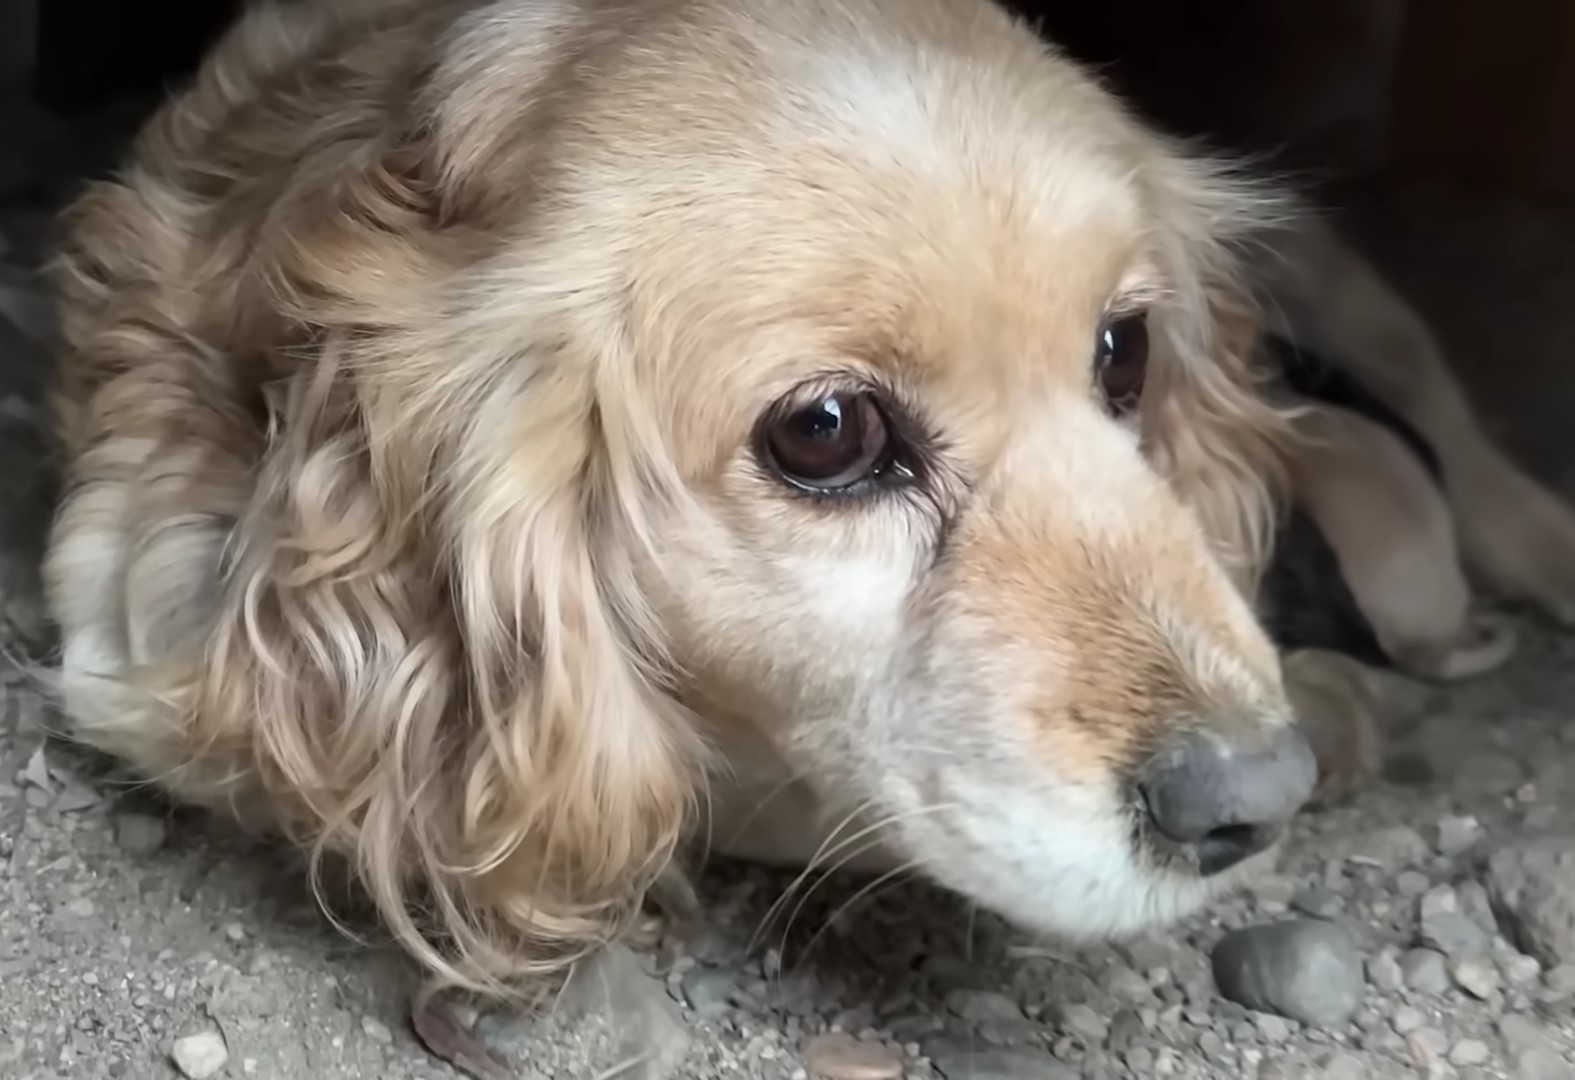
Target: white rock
[201,1055]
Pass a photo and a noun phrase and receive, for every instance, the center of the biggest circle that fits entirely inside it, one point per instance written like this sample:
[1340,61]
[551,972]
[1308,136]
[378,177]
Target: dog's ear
[1210,426]
[432,647]
[440,670]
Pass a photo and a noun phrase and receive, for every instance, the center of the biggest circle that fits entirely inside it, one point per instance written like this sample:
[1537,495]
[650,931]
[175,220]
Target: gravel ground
[1427,929]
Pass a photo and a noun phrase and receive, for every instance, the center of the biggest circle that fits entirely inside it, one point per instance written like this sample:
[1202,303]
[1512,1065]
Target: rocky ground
[1425,930]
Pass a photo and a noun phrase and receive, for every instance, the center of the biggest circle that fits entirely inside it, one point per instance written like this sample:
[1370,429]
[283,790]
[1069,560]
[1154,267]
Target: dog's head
[856,373]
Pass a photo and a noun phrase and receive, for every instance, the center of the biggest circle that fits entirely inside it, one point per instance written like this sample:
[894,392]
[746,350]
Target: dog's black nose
[1227,799]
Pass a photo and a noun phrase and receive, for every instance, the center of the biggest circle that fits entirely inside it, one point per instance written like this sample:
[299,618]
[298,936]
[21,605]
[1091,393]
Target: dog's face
[856,375]
[909,341]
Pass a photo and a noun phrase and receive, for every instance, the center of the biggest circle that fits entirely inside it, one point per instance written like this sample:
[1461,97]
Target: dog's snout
[1224,799]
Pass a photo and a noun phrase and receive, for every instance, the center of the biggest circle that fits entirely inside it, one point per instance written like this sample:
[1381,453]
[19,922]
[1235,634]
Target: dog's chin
[1069,872]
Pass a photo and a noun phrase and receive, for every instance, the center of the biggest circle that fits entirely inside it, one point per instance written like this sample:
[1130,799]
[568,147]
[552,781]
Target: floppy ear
[436,670]
[1210,426]
[432,647]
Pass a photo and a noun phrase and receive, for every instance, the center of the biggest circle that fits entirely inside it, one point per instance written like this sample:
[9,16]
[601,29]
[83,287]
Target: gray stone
[1304,969]
[1453,934]
[983,1005]
[1412,883]
[963,1059]
[1456,835]
[140,835]
[1084,1023]
[1383,971]
[1393,848]
[709,993]
[1126,1027]
[1408,1019]
[1343,1065]
[1317,902]
[1477,906]
[1123,982]
[1468,1052]
[1519,969]
[1426,971]
[1274,1029]
[1532,884]
[1475,976]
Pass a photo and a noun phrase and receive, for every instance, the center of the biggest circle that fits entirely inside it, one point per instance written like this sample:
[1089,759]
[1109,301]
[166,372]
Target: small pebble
[709,993]
[1317,902]
[1426,1046]
[1123,982]
[1520,969]
[965,1060]
[376,1030]
[1408,1019]
[1083,1022]
[1412,883]
[982,1005]
[1468,1052]
[838,1056]
[1140,1061]
[1383,971]
[1457,834]
[140,835]
[1394,847]
[1475,976]
[1454,934]
[200,1056]
[1426,972]
[1274,1029]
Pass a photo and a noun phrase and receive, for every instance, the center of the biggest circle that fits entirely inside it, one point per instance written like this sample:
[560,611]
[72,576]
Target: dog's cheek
[788,638]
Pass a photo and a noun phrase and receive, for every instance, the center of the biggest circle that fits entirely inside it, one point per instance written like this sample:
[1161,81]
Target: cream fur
[407,396]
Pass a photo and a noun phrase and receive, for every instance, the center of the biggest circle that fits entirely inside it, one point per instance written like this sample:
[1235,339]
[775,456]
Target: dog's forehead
[909,223]
[966,280]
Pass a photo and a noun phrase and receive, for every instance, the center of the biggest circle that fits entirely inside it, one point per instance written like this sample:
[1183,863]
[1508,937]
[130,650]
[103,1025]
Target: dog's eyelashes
[835,443]
[1121,361]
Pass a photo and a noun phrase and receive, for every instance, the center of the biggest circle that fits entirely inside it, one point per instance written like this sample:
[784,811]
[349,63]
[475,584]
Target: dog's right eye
[832,444]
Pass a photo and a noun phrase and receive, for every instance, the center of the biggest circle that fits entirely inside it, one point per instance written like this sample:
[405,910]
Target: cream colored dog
[498,431]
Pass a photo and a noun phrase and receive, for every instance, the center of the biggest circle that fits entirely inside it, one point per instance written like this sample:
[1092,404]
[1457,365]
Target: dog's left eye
[1121,361]
[831,444]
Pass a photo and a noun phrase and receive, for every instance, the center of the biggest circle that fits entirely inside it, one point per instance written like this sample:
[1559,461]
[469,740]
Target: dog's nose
[1227,800]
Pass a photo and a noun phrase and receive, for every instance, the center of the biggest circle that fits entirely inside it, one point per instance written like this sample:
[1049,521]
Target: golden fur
[407,394]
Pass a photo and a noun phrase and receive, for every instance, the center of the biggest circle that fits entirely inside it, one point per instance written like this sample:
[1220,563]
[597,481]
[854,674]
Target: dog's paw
[1484,642]
[1340,706]
[1520,537]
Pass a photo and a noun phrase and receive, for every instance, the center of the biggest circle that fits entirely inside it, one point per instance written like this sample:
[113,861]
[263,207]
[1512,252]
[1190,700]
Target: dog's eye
[1121,361]
[830,444]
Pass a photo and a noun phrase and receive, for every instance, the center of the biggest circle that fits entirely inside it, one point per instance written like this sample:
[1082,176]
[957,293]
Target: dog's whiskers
[825,856]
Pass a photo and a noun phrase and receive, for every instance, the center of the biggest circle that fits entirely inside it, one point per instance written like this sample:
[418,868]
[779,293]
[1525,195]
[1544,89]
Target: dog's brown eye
[1121,361]
[830,444]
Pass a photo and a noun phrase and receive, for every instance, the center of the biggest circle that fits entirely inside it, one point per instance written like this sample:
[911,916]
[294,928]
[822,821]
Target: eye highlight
[1121,361]
[833,443]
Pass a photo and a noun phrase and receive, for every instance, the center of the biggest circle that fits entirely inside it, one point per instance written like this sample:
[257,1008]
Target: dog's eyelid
[1138,299]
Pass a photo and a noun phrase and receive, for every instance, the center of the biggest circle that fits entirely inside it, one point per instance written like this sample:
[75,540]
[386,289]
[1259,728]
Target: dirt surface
[1426,930]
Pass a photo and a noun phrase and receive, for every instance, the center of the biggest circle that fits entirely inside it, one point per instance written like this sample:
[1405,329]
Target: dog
[503,440]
